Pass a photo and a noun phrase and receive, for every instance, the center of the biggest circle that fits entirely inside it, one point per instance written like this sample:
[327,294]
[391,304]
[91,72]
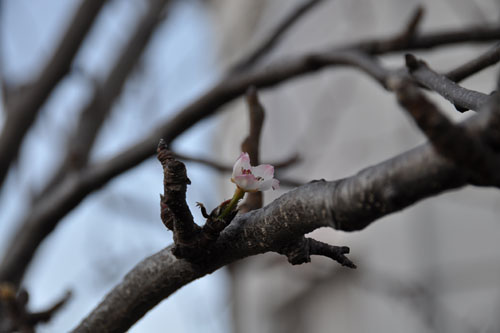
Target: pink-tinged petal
[242,163]
[252,179]
[265,171]
[247,182]
[266,185]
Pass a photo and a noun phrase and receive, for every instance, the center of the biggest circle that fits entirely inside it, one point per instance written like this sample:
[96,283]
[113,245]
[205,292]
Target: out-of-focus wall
[432,267]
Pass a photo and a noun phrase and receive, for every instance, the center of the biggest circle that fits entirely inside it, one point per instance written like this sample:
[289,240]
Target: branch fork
[192,242]
[17,316]
[195,243]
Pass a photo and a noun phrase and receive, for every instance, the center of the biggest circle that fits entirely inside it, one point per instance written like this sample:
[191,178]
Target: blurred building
[433,267]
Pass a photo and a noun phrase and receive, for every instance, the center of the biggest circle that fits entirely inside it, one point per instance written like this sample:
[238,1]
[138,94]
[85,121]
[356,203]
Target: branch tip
[412,63]
[415,21]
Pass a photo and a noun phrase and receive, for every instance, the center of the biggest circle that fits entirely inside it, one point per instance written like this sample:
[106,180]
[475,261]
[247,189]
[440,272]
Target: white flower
[253,179]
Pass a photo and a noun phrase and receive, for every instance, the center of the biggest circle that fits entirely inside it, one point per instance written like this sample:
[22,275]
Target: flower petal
[266,171]
[266,185]
[252,179]
[247,182]
[242,163]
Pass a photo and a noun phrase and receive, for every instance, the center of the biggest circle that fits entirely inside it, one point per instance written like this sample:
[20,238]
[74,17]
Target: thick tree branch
[46,214]
[22,109]
[348,204]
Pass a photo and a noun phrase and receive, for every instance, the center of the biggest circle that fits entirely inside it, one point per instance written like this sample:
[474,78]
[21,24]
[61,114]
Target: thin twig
[463,99]
[411,29]
[221,167]
[251,144]
[449,140]
[96,112]
[488,58]
[274,37]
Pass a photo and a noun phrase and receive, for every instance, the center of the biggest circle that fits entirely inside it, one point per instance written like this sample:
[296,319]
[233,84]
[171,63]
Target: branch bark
[44,217]
[463,99]
[348,204]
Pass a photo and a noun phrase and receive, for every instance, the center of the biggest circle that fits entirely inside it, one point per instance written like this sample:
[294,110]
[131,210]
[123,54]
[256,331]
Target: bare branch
[91,119]
[251,144]
[348,204]
[23,108]
[95,113]
[46,315]
[410,31]
[462,98]
[46,214]
[489,58]
[300,251]
[449,140]
[16,317]
[427,41]
[274,37]
[281,165]
[175,213]
[364,62]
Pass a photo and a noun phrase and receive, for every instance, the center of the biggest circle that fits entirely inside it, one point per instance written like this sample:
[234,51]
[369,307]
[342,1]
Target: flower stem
[237,196]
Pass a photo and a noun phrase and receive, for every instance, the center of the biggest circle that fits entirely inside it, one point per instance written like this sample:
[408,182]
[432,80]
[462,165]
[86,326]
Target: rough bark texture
[349,204]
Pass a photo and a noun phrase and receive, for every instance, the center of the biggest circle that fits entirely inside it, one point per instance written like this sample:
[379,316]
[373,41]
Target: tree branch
[95,113]
[221,167]
[22,109]
[79,146]
[449,140]
[300,251]
[348,204]
[43,218]
[16,317]
[463,99]
[251,145]
[489,58]
[274,37]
